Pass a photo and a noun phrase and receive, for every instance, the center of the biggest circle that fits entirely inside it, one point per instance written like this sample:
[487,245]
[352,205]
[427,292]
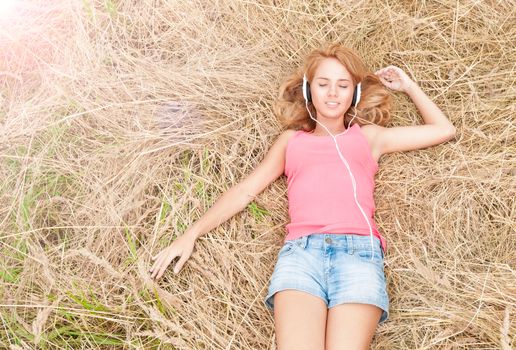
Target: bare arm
[238,196]
[437,128]
[229,204]
[432,115]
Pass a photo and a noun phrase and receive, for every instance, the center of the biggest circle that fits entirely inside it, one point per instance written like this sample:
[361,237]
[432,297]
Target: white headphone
[308,96]
[356,98]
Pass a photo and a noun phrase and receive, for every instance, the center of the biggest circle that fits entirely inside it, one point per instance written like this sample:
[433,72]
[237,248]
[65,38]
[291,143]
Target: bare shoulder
[288,134]
[371,129]
[284,137]
[280,142]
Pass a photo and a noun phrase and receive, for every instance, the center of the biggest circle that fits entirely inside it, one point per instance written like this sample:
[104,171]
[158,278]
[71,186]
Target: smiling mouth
[332,104]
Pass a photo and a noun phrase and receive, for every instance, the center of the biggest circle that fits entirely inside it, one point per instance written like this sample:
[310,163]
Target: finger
[390,72]
[166,261]
[156,273]
[154,269]
[153,266]
[383,80]
[157,266]
[163,268]
[180,263]
[160,253]
[165,254]
[396,71]
[157,261]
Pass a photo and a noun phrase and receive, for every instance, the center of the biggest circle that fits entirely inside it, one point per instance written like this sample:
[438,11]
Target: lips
[332,104]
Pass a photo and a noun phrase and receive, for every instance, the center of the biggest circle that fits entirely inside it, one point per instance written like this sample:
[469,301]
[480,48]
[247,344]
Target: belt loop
[351,244]
[303,241]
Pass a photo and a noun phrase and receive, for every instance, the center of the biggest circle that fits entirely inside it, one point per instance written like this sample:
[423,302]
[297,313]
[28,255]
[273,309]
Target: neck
[334,126]
[319,130]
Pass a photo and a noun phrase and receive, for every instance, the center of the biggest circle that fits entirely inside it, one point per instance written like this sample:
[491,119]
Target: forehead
[331,68]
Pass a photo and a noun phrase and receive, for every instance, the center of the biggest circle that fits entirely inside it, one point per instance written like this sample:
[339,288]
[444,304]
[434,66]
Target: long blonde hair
[375,102]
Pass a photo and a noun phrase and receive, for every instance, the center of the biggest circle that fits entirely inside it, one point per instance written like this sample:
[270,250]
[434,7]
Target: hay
[122,122]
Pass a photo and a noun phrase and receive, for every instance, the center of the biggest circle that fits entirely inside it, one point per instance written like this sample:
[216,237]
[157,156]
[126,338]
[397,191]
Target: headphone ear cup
[306,90]
[308,93]
[356,94]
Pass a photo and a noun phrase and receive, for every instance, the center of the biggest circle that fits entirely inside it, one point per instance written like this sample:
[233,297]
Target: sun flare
[7,5]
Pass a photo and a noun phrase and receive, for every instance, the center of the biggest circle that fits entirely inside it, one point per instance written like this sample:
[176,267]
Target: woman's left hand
[394,78]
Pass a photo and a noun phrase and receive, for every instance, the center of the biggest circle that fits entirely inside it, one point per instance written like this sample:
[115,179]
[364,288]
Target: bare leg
[300,320]
[351,326]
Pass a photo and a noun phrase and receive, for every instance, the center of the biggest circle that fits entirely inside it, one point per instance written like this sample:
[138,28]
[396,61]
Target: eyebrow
[329,79]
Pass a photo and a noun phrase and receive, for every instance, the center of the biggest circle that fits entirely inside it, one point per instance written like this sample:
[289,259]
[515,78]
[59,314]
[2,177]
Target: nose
[332,91]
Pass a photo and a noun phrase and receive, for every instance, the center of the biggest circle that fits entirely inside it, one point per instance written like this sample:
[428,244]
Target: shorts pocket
[365,254]
[287,249]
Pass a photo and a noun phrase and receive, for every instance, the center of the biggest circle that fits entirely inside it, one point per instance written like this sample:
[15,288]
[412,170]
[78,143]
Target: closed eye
[323,85]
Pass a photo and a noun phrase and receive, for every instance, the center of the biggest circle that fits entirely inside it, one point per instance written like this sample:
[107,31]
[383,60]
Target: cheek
[317,96]
[317,102]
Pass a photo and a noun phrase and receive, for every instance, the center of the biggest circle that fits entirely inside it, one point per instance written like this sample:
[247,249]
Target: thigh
[298,268]
[299,320]
[351,326]
[357,276]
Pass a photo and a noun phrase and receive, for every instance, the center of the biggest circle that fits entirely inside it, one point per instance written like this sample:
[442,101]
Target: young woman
[328,288]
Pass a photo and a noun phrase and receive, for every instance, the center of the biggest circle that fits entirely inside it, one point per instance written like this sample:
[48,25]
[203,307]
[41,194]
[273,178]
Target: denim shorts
[334,267]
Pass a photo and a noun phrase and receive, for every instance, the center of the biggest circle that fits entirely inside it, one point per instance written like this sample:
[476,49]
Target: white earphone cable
[349,170]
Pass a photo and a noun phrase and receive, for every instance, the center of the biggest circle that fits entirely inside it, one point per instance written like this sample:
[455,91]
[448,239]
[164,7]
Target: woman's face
[331,89]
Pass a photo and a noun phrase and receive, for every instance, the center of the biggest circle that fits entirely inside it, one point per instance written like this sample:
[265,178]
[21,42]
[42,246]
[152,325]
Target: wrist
[411,87]
[192,233]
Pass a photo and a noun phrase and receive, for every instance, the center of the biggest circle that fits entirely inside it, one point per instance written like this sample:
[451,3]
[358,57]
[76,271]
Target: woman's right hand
[182,247]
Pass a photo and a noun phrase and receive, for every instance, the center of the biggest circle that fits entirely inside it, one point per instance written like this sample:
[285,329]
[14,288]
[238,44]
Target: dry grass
[122,122]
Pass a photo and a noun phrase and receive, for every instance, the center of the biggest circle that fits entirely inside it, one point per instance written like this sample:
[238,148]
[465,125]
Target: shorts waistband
[351,241]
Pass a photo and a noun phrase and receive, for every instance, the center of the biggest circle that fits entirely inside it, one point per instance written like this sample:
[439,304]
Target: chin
[332,115]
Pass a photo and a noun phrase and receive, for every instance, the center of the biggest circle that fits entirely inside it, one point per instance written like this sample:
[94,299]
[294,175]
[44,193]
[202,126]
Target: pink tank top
[320,191]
